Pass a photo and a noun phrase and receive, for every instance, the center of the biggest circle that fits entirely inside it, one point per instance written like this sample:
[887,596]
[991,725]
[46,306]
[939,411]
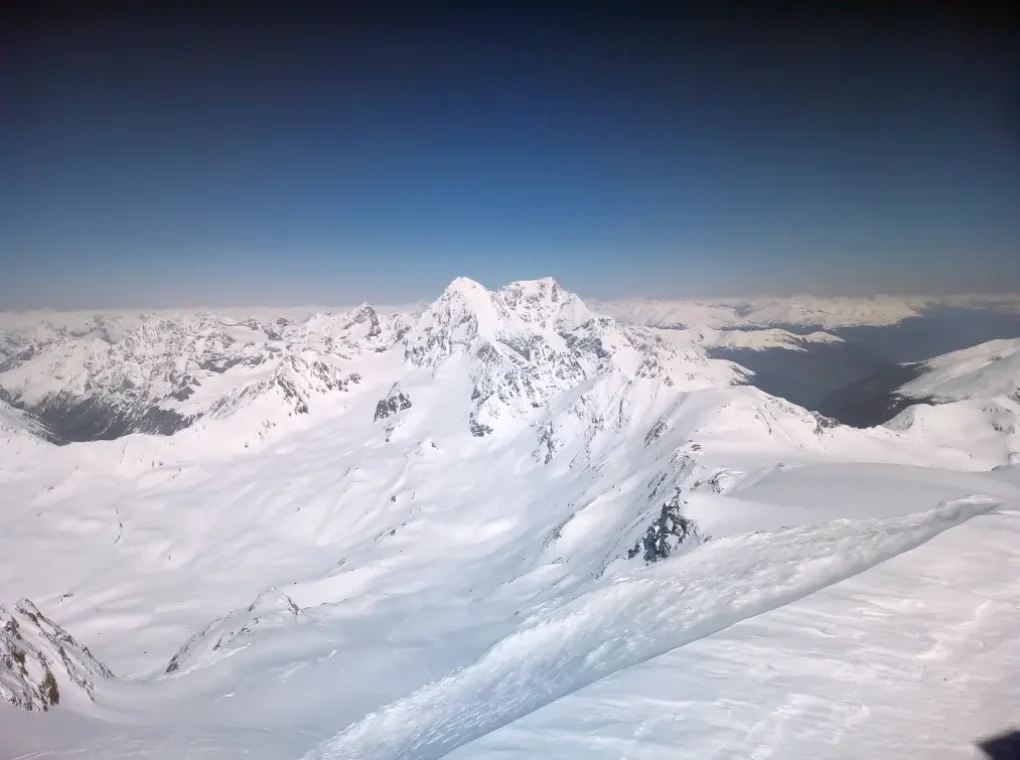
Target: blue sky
[261,161]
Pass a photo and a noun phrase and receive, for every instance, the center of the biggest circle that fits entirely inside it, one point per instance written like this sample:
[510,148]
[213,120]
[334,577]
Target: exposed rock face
[670,530]
[396,401]
[478,429]
[824,423]
[40,662]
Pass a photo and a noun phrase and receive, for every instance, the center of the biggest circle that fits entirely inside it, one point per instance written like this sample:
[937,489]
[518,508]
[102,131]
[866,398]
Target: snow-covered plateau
[500,525]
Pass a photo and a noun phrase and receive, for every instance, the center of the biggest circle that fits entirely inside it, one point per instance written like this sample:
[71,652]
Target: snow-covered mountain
[825,313]
[159,373]
[974,392]
[796,311]
[41,664]
[984,371]
[15,422]
[963,394]
[413,534]
[763,339]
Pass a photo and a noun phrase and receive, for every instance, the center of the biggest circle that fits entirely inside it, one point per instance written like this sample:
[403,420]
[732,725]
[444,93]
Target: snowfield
[523,530]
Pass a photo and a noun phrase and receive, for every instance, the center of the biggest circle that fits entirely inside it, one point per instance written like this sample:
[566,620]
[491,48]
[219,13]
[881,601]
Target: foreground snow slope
[450,547]
[284,696]
[629,621]
[918,657]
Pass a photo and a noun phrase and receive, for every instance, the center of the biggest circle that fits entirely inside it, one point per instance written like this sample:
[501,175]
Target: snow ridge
[224,636]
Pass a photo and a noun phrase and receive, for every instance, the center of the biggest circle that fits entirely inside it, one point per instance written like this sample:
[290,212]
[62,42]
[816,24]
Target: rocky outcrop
[40,662]
[478,429]
[670,530]
[396,401]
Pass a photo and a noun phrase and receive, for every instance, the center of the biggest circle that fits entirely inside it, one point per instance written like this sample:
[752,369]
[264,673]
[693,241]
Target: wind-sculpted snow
[629,620]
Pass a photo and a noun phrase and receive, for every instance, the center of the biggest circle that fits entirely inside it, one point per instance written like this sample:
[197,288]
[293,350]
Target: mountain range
[421,532]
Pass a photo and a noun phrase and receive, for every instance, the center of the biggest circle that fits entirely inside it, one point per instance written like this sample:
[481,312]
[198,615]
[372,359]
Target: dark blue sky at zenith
[216,159]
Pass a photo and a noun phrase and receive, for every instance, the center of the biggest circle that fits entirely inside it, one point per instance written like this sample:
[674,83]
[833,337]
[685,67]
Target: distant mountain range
[79,377]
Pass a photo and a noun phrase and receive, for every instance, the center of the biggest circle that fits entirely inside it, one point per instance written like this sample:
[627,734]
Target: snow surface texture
[629,621]
[437,558]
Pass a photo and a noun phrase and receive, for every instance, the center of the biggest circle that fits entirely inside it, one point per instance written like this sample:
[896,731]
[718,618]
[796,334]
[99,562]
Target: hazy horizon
[963,298]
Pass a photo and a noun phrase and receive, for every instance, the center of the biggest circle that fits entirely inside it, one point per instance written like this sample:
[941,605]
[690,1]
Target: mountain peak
[464,311]
[543,284]
[466,287]
[544,301]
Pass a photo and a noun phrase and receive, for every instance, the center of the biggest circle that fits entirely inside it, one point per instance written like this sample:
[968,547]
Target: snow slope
[15,422]
[983,371]
[975,395]
[629,621]
[441,552]
[854,670]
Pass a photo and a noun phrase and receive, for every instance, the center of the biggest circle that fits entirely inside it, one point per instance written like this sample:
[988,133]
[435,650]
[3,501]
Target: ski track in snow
[629,621]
